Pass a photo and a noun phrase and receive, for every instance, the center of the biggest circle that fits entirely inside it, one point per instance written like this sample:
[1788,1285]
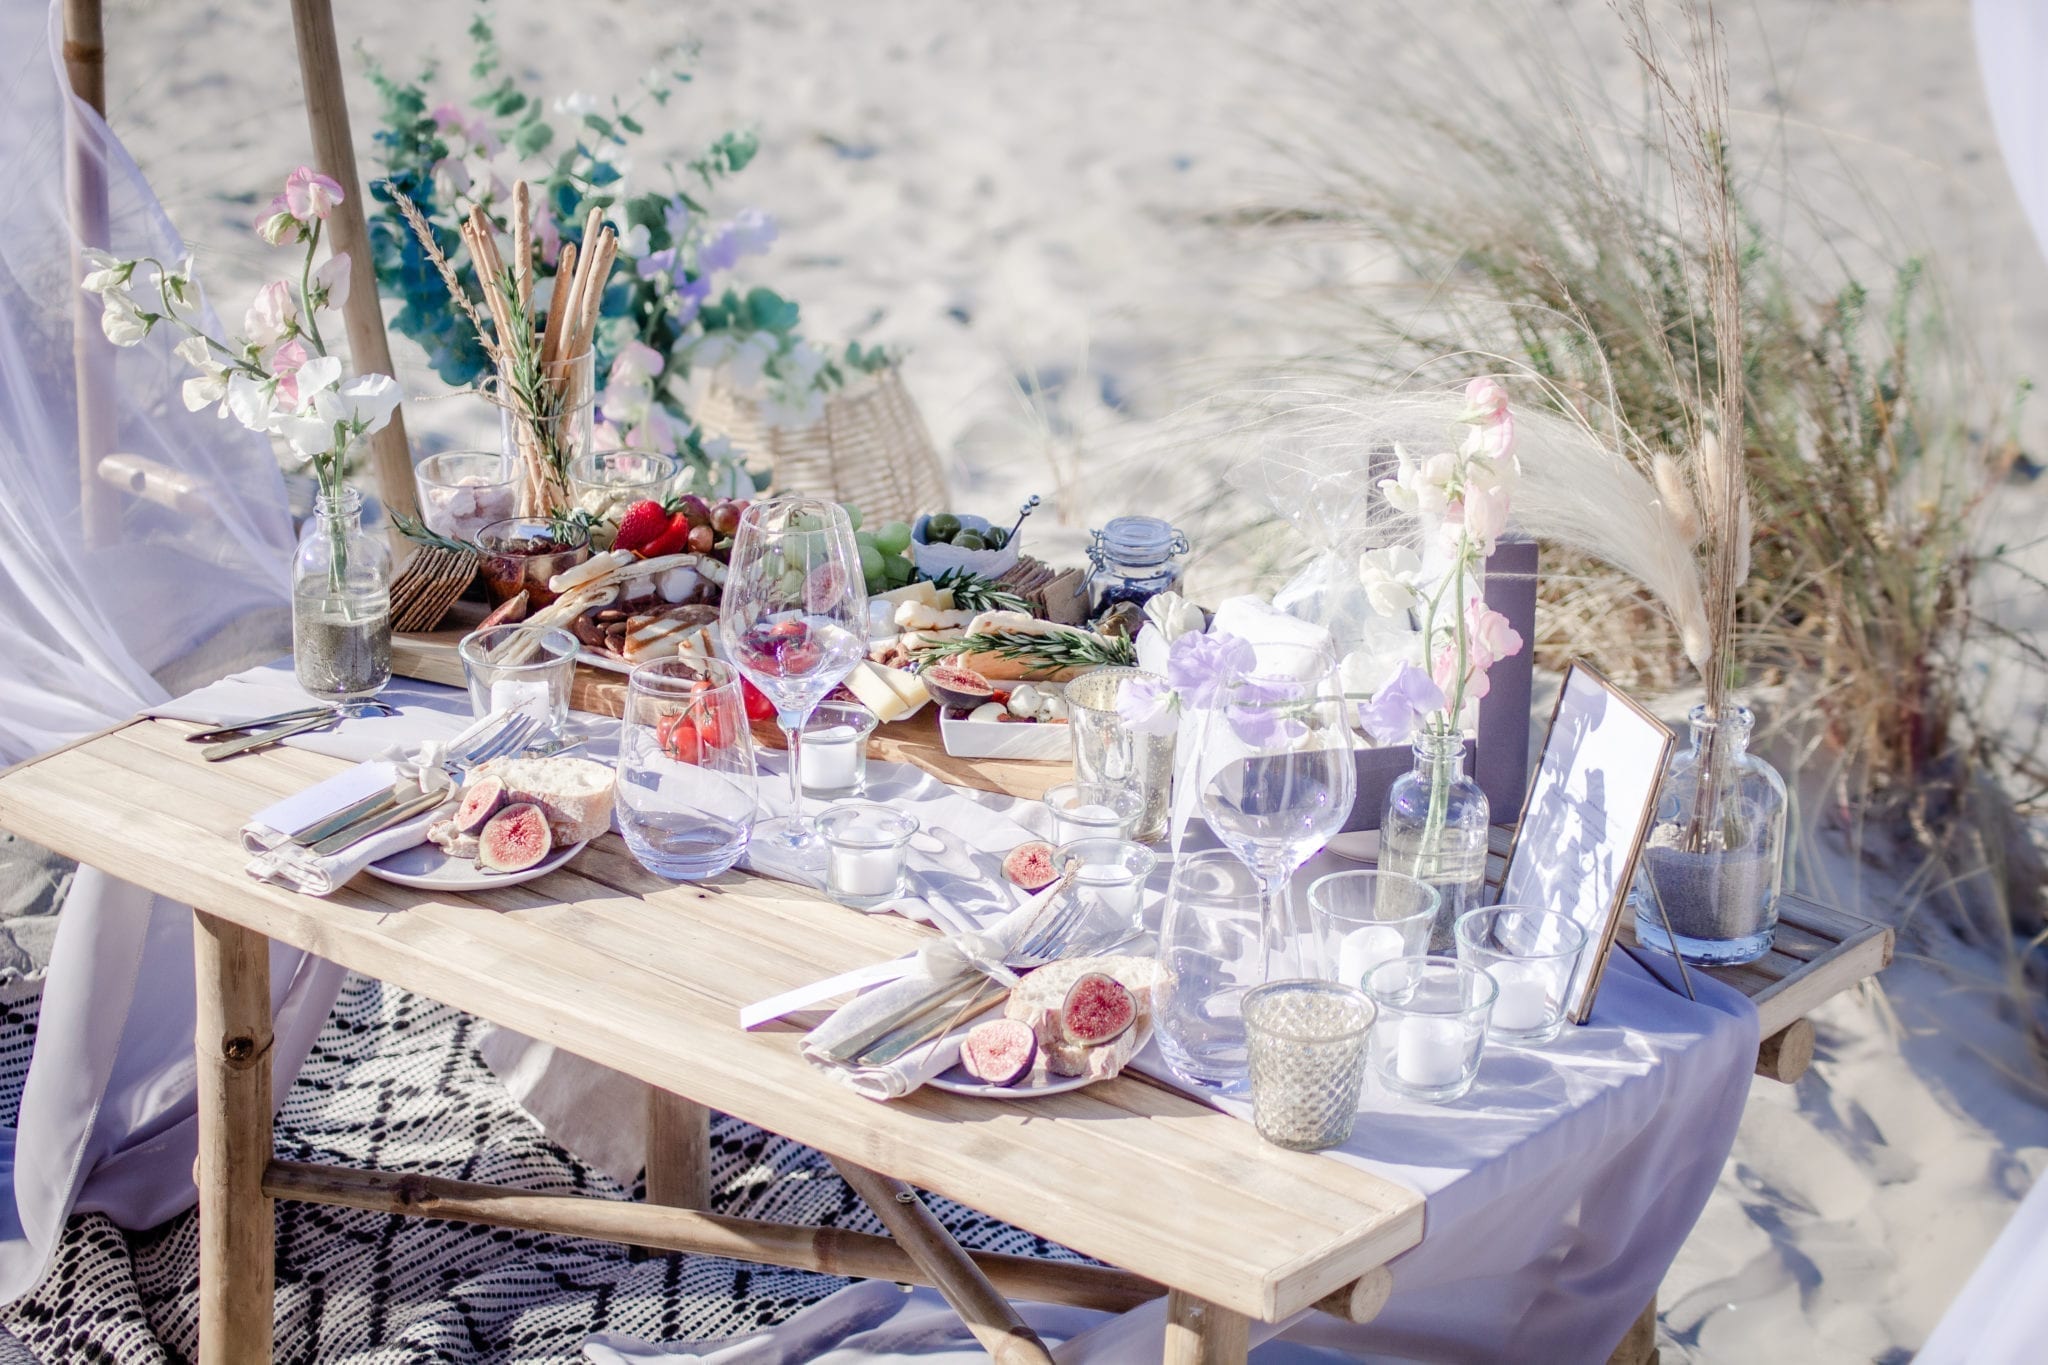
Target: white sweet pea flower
[634,242]
[364,403]
[273,315]
[576,103]
[108,272]
[1393,579]
[1421,485]
[179,287]
[121,320]
[308,436]
[210,385]
[331,280]
[1174,615]
[250,401]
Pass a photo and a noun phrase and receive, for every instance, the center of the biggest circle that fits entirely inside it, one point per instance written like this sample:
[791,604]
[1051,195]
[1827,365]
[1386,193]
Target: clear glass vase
[1715,858]
[1435,830]
[341,602]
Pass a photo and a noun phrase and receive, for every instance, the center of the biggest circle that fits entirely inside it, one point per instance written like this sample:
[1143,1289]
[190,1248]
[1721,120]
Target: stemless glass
[1432,1025]
[1278,778]
[1532,954]
[685,789]
[1212,949]
[794,619]
[1363,918]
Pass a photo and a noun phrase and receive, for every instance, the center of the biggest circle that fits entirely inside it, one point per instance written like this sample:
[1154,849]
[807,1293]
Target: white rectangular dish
[1040,741]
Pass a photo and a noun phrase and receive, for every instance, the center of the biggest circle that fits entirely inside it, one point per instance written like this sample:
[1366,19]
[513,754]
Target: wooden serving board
[430,656]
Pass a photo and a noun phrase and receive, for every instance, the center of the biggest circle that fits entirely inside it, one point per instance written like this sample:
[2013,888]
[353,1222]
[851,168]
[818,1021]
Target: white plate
[428,868]
[955,1080]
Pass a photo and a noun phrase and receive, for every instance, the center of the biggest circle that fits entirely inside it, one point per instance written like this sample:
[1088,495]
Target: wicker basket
[870,448]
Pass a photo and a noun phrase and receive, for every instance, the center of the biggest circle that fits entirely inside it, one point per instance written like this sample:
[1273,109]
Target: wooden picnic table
[647,976]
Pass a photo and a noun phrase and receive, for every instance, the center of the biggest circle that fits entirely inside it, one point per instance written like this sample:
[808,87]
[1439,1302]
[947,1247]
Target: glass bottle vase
[1435,830]
[341,602]
[1715,858]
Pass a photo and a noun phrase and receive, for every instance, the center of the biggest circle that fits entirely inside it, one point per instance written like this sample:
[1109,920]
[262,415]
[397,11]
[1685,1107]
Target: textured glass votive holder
[865,845]
[1306,1046]
[1432,1025]
[1092,810]
[1531,953]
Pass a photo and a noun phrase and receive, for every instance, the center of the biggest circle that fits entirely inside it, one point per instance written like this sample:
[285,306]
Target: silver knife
[378,823]
[339,820]
[213,753]
[260,723]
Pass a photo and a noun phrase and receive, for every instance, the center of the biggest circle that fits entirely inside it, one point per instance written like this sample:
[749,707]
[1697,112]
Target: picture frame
[1589,809]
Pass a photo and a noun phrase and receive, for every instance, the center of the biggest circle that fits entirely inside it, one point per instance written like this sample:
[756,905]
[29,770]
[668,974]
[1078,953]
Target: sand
[1059,212]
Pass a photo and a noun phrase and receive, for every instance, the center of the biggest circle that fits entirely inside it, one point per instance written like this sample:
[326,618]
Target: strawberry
[672,538]
[641,524]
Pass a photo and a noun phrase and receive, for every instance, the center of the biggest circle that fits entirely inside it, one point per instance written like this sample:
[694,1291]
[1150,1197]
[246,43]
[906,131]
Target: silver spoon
[213,753]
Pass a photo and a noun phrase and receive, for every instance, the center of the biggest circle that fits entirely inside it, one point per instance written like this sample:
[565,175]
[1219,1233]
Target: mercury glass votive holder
[1531,954]
[865,846]
[1107,750]
[1091,810]
[1306,1048]
[1432,1025]
[1112,873]
[833,761]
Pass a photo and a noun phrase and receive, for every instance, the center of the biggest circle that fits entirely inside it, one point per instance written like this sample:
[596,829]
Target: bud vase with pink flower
[1437,818]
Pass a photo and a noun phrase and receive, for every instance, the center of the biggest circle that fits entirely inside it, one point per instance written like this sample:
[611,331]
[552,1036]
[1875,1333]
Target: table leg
[988,1315]
[237,1238]
[1200,1333]
[678,1151]
[1639,1344]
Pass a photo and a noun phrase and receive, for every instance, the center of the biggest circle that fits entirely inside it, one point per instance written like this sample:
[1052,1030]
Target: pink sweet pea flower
[1488,636]
[1485,401]
[276,225]
[285,367]
[330,282]
[309,194]
[1483,512]
[1444,672]
[272,315]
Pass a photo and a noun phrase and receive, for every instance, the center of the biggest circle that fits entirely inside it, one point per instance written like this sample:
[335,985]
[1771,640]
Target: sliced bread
[575,794]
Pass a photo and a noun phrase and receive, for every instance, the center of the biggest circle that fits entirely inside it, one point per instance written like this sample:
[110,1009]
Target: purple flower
[1398,708]
[1264,712]
[1147,705]
[1200,666]
[691,295]
[676,218]
[662,262]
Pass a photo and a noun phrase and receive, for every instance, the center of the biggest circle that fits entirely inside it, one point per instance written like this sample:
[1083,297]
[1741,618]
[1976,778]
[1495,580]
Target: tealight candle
[1429,1052]
[865,846]
[831,760]
[864,871]
[1113,871]
[1115,887]
[525,696]
[1090,810]
[1364,949]
[1523,1005]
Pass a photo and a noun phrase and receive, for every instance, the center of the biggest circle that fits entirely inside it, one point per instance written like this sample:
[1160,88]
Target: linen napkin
[276,858]
[940,959]
[425,711]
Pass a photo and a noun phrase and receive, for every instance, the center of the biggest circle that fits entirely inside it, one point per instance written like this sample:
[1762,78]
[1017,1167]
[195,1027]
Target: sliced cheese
[879,691]
[930,595]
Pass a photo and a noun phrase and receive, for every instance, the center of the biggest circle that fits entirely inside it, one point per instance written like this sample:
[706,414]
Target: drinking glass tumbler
[866,846]
[1212,949]
[1091,810]
[1531,953]
[523,669]
[1432,1025]
[1361,919]
[685,788]
[463,491]
[605,483]
[1112,874]
[1307,1044]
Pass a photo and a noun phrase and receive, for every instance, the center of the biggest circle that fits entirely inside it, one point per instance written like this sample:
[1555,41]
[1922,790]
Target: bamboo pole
[334,154]
[237,1247]
[828,1251]
[678,1151]
[92,358]
[986,1312]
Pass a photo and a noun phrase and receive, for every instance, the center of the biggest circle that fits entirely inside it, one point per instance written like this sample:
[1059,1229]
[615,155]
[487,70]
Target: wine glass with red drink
[794,622]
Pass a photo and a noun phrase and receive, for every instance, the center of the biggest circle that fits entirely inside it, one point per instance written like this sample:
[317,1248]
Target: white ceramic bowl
[939,557]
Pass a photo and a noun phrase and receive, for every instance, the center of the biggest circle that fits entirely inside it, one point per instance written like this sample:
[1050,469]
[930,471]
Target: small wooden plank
[678,1151]
[431,657]
[237,1236]
[1199,1333]
[988,1315]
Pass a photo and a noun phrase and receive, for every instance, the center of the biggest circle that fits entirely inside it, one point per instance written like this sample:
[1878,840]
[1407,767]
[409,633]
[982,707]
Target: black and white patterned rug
[395,1082]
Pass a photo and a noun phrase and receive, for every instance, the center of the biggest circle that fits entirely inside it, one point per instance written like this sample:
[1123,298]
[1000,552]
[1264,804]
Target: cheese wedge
[938,599]
[879,691]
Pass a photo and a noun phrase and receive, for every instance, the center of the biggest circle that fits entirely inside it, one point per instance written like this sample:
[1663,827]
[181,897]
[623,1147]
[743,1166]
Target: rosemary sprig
[973,592]
[417,531]
[1053,649]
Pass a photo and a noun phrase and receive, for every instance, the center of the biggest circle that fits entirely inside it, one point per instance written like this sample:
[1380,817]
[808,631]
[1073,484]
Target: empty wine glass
[794,621]
[1278,778]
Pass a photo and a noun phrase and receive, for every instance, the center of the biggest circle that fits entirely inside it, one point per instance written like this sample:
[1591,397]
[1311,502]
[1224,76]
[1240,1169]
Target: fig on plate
[480,801]
[999,1052]
[1029,865]
[514,839]
[951,685]
[1097,1010]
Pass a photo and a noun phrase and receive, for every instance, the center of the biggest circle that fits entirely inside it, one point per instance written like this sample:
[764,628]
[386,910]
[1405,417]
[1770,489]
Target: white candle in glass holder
[1429,1052]
[865,871]
[1114,886]
[526,696]
[1364,949]
[830,758]
[1523,1004]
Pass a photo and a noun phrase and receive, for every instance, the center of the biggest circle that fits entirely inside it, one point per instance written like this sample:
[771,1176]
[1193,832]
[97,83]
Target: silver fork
[378,813]
[1042,942]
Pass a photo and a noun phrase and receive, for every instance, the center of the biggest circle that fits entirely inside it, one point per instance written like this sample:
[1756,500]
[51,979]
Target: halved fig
[480,801]
[514,839]
[951,685]
[1029,865]
[999,1052]
[1097,1010]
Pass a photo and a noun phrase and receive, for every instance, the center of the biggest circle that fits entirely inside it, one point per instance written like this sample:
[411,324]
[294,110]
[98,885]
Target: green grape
[899,570]
[871,563]
[893,538]
[852,514]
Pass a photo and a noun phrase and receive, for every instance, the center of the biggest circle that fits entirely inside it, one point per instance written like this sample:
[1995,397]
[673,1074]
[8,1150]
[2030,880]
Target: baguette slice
[1037,1002]
[575,794]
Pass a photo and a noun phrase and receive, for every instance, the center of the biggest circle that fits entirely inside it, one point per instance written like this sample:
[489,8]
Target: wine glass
[1278,778]
[794,621]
